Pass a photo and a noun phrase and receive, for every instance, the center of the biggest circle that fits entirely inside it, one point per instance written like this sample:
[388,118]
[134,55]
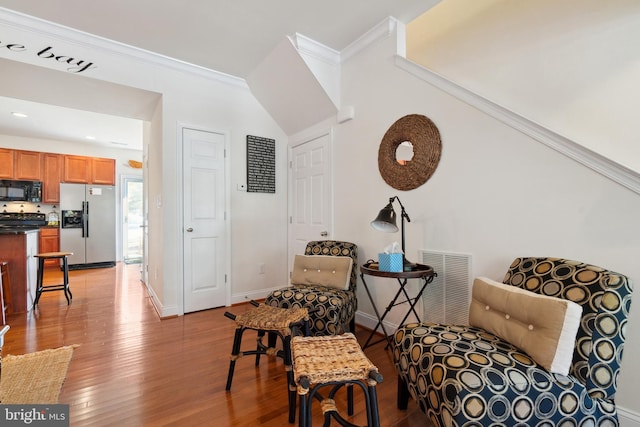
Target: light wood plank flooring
[133,369]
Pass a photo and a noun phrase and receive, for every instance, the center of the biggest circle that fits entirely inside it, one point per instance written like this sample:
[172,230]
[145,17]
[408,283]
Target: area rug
[34,377]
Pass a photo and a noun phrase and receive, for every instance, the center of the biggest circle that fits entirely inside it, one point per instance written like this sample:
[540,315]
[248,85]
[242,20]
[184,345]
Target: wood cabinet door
[51,176]
[50,242]
[28,165]
[76,169]
[6,163]
[103,171]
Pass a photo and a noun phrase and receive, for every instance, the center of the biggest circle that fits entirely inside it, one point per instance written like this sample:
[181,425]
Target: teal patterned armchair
[336,308]
[467,376]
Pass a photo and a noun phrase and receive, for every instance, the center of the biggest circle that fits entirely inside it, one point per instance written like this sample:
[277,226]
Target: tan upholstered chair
[336,304]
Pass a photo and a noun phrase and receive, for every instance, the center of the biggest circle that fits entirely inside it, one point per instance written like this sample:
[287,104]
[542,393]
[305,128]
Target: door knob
[324,234]
[189,229]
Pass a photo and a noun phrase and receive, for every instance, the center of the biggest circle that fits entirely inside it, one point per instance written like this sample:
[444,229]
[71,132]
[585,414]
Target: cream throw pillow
[544,327]
[325,270]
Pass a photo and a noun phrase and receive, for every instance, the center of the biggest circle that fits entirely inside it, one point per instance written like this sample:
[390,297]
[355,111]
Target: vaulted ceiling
[221,35]
[227,36]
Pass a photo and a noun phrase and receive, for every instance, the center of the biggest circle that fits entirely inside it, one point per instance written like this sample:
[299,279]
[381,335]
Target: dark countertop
[18,229]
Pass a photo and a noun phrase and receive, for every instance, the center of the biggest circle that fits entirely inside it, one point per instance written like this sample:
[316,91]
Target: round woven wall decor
[427,147]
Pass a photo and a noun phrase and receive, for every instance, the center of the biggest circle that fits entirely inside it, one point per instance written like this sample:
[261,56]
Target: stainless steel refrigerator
[88,225]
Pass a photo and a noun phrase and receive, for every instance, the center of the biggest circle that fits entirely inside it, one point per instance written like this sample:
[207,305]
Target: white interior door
[311,203]
[205,226]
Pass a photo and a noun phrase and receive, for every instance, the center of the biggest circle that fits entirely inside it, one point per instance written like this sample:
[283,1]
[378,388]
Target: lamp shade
[386,220]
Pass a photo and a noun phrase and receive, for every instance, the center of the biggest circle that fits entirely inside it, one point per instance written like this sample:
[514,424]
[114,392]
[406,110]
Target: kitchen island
[18,245]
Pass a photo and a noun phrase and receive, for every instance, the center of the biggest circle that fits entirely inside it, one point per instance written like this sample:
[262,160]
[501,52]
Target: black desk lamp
[386,222]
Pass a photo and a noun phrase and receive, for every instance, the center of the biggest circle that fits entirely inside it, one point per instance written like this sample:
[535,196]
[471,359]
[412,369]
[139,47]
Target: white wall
[570,65]
[195,97]
[496,194]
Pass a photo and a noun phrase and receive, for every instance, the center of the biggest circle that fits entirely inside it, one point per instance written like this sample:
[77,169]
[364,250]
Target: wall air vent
[447,298]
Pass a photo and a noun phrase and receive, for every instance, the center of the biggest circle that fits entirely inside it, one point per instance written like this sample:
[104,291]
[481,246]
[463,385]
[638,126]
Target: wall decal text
[73,65]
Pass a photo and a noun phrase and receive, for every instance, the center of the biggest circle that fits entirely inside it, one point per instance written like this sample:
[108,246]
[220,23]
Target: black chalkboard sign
[261,164]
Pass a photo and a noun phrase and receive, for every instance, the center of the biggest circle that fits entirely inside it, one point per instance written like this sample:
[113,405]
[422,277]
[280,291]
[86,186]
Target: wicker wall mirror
[413,136]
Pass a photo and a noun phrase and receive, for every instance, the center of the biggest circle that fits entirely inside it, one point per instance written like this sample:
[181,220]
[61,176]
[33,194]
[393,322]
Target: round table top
[53,254]
[421,270]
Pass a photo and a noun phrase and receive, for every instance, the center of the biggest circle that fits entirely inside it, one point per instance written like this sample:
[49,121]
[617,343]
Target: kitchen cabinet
[28,165]
[89,170]
[53,169]
[50,242]
[51,177]
[103,171]
[77,169]
[6,163]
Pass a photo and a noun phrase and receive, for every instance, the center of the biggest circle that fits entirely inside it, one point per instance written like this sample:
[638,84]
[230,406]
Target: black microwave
[20,191]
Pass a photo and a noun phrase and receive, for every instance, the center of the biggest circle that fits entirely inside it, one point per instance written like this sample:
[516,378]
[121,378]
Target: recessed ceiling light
[90,137]
[18,114]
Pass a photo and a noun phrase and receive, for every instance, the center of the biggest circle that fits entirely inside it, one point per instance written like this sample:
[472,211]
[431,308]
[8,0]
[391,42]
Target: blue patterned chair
[467,376]
[336,307]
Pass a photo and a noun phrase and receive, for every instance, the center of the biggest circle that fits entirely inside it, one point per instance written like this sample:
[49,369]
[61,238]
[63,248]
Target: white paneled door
[311,205]
[205,226]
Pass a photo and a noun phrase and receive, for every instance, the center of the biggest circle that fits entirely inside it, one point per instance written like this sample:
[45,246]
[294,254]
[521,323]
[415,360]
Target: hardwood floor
[133,369]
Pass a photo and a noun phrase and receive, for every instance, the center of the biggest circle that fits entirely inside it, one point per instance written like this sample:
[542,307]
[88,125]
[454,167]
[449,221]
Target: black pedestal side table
[423,272]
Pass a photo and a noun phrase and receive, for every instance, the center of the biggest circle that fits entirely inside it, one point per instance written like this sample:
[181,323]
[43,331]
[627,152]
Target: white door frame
[180,214]
[300,139]
[121,245]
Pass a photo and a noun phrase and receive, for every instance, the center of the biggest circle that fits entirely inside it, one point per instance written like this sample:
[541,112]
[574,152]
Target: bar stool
[64,286]
[3,330]
[333,361]
[281,322]
[6,303]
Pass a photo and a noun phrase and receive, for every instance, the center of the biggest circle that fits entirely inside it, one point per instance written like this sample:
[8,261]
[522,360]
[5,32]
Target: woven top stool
[334,361]
[279,322]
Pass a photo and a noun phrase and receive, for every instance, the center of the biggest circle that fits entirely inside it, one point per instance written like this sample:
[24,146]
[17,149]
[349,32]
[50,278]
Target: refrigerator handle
[87,218]
[82,219]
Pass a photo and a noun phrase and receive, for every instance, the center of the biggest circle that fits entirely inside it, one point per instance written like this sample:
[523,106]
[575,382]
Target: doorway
[205,225]
[310,189]
[132,220]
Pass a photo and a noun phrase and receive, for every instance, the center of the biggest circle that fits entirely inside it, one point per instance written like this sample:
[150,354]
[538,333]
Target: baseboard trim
[162,311]
[628,418]
[370,322]
[248,296]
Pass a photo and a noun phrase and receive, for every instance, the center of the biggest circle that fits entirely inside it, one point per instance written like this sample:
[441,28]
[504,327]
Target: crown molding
[50,30]
[604,166]
[316,50]
[383,30]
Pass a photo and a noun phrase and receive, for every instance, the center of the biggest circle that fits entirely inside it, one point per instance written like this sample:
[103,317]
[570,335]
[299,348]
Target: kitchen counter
[18,245]
[18,229]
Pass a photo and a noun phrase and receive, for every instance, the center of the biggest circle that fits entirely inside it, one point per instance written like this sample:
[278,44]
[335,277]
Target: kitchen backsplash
[27,207]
